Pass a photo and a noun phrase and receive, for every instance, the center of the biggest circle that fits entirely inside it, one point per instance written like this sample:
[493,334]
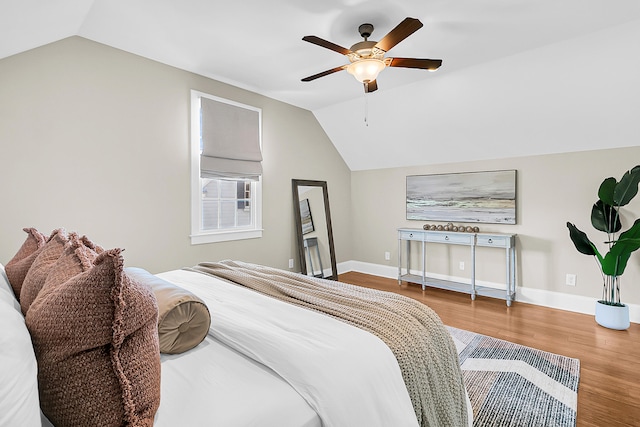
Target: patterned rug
[517,386]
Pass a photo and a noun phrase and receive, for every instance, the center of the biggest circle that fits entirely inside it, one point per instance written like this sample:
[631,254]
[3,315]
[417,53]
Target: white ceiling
[256,44]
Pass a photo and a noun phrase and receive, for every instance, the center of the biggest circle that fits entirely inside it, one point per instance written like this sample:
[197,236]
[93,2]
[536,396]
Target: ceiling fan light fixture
[366,70]
[367,58]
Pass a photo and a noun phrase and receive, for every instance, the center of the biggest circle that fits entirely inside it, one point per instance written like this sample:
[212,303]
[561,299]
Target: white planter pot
[612,317]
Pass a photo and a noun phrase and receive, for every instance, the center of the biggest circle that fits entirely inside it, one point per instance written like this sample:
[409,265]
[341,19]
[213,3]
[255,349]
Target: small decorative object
[451,227]
[605,216]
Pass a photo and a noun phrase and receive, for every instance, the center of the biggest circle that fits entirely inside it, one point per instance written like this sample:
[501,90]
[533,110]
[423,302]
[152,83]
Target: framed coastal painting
[483,197]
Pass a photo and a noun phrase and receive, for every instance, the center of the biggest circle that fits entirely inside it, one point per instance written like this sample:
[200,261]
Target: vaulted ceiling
[492,50]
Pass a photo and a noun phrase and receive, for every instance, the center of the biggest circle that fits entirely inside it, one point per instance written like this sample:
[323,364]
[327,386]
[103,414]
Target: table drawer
[411,235]
[496,241]
[451,238]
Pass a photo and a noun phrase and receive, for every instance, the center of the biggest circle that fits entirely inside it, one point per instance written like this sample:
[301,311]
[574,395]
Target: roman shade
[230,141]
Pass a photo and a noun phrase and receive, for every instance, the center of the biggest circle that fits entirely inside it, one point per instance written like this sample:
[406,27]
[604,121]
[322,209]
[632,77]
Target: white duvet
[347,376]
[216,386]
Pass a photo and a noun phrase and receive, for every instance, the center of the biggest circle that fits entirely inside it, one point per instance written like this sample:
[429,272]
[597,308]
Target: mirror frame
[295,183]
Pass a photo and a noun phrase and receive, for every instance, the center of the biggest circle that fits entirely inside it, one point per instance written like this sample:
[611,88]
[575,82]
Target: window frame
[198,235]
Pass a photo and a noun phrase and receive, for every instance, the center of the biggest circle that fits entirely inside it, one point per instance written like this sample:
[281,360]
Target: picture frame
[305,216]
[473,197]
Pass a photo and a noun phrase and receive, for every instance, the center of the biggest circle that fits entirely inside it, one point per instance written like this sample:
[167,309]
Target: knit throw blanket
[415,334]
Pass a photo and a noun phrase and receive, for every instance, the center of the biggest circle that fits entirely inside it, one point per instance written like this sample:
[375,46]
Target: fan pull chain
[366,110]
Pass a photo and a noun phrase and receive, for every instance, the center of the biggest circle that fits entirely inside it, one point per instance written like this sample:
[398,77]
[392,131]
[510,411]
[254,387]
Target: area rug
[517,386]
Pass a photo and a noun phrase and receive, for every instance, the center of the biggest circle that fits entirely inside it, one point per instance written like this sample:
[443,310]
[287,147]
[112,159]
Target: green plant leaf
[633,232]
[606,191]
[627,188]
[581,241]
[605,218]
[615,262]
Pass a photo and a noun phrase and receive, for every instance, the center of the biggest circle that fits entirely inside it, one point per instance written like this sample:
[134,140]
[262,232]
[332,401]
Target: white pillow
[6,292]
[19,402]
[4,280]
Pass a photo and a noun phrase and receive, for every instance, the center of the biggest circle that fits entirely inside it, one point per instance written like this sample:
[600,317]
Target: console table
[491,240]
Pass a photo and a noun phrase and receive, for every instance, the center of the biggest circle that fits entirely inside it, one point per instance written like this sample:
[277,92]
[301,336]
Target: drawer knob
[446,237]
[490,241]
[411,235]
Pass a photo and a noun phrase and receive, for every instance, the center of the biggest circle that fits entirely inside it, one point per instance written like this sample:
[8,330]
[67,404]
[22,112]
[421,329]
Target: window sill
[224,236]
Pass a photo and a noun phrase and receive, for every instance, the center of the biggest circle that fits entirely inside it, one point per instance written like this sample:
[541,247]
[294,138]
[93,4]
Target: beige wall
[96,140]
[551,190]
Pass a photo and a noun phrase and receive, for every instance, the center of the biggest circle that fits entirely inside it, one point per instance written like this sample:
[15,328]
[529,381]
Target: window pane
[227,189]
[227,213]
[210,188]
[209,214]
[244,217]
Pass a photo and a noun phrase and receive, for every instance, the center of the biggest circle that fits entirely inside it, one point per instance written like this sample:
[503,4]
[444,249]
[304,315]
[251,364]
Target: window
[226,170]
[226,204]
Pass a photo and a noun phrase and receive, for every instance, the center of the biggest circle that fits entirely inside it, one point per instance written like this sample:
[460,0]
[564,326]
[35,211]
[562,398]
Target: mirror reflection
[313,229]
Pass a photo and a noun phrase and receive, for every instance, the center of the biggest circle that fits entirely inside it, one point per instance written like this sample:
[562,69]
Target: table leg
[473,272]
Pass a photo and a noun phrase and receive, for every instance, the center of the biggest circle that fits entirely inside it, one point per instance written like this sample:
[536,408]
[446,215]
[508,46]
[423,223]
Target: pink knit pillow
[37,274]
[89,244]
[77,258]
[96,341]
[17,268]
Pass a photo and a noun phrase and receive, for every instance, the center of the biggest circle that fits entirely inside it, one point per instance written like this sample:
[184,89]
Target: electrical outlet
[291,263]
[387,256]
[461,265]
[570,280]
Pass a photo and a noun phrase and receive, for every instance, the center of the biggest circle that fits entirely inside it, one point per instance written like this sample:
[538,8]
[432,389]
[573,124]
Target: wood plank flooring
[609,388]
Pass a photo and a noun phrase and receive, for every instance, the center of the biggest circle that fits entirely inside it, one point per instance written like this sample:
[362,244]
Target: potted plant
[605,216]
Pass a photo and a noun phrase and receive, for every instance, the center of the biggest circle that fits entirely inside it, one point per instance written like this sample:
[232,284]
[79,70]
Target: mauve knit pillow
[37,274]
[96,341]
[89,244]
[78,257]
[17,268]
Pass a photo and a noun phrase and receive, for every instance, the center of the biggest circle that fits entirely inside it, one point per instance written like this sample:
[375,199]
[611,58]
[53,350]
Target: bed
[263,362]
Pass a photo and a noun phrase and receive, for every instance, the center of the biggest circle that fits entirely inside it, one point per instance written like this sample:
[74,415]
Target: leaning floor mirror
[313,229]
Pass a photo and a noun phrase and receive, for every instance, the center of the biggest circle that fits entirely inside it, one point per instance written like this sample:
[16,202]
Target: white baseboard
[551,299]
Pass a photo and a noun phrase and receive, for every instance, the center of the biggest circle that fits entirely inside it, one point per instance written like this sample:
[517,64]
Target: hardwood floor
[609,388]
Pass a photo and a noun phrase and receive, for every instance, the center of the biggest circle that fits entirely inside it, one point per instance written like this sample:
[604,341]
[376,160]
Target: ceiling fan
[367,57]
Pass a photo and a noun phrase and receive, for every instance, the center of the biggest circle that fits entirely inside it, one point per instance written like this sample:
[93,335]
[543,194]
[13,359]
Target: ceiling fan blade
[324,73]
[326,44]
[371,86]
[425,64]
[399,33]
